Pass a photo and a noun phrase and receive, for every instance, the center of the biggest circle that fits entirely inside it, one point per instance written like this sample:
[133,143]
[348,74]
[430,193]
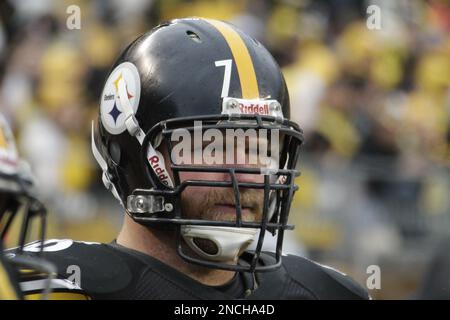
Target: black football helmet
[171,78]
[18,201]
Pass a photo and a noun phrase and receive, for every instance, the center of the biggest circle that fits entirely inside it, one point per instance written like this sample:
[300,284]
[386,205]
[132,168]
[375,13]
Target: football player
[17,202]
[172,106]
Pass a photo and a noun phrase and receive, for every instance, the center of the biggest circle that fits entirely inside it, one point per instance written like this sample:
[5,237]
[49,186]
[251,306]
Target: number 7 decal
[226,76]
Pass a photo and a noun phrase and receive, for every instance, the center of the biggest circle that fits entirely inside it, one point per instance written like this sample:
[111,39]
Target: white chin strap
[230,241]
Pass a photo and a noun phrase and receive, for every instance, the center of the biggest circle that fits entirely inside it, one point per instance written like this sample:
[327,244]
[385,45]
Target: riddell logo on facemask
[254,108]
[160,172]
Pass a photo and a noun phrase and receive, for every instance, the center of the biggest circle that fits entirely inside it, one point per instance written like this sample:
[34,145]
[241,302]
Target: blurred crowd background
[374,105]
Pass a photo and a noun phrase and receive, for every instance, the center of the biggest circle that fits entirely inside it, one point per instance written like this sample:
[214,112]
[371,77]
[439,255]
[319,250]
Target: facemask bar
[263,226]
[284,192]
[225,121]
[39,266]
[164,197]
[33,209]
[280,217]
[17,186]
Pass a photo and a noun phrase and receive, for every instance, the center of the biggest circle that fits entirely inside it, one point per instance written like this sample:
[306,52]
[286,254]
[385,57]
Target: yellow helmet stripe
[244,63]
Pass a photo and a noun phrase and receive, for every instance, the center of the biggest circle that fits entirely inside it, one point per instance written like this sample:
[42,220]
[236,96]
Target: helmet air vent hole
[256,42]
[193,36]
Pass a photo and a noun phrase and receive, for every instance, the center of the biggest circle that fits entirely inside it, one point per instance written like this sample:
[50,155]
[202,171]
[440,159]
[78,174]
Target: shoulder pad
[322,281]
[91,267]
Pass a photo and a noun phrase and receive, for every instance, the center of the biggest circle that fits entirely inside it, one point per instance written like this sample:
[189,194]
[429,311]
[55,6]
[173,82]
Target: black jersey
[89,270]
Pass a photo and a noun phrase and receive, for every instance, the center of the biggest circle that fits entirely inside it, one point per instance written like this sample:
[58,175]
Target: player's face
[215,203]
[218,203]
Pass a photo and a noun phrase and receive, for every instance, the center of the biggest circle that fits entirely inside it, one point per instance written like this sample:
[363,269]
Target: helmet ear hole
[256,42]
[193,36]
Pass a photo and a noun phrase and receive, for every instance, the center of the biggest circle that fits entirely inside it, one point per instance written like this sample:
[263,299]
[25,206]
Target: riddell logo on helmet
[264,107]
[160,172]
[254,108]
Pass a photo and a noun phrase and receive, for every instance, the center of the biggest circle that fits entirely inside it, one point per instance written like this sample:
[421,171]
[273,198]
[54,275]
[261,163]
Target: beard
[217,204]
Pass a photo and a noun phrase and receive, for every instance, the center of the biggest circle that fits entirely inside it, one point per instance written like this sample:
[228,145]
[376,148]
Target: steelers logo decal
[112,113]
